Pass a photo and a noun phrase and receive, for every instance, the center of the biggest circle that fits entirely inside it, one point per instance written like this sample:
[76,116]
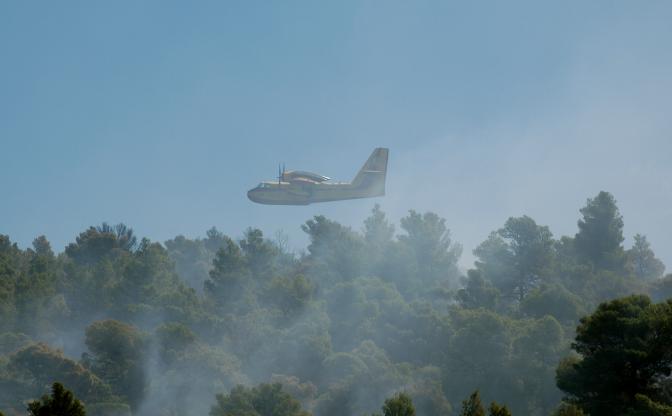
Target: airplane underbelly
[305,195]
[283,197]
[336,194]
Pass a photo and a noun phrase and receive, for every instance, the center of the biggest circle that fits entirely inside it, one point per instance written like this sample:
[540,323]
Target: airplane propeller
[281,173]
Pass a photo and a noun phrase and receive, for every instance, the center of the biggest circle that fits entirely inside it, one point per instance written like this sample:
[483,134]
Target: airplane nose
[251,195]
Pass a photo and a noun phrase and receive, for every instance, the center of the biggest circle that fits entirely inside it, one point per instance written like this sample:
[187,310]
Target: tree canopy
[61,403]
[625,357]
[381,314]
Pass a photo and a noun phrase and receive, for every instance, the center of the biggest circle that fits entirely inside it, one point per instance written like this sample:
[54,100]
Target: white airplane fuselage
[292,193]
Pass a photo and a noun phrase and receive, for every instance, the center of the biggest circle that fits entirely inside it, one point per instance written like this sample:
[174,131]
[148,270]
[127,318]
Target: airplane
[297,187]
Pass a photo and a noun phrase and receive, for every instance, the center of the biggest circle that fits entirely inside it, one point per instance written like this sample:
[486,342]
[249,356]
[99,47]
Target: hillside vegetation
[380,316]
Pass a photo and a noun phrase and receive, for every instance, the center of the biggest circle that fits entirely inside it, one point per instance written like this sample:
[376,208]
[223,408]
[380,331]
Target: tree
[531,248]
[42,247]
[495,262]
[625,353]
[334,249]
[289,294]
[642,260]
[259,253]
[9,254]
[37,365]
[517,257]
[214,240]
[378,231]
[147,276]
[117,356]
[174,338]
[644,406]
[229,274]
[399,405]
[38,307]
[429,239]
[536,352]
[497,410]
[261,400]
[98,242]
[472,406]
[600,237]
[61,403]
[192,260]
[553,300]
[480,349]
[568,409]
[378,235]
[477,292]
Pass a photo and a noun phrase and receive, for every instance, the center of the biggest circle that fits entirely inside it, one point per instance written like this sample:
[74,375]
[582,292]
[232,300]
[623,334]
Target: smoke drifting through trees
[147,328]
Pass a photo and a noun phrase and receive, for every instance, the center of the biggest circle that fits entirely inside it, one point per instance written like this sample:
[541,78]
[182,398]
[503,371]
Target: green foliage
[174,339]
[366,375]
[61,403]
[472,406]
[261,400]
[114,340]
[568,409]
[359,315]
[509,360]
[229,276]
[643,261]
[479,354]
[427,392]
[644,406]
[259,253]
[289,294]
[37,365]
[517,256]
[98,242]
[497,410]
[600,237]
[117,351]
[399,405]
[335,250]
[553,300]
[624,347]
[379,239]
[477,292]
[428,238]
[193,260]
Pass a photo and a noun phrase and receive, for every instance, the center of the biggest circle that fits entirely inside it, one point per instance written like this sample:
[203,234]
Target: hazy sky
[162,114]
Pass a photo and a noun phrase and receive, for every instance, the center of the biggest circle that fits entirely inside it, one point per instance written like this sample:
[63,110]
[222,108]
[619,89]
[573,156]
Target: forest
[375,320]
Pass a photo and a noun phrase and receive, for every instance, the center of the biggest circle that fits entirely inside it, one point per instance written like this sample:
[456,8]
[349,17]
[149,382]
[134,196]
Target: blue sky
[162,114]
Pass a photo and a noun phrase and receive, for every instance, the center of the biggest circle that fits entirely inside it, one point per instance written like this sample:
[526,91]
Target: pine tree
[472,406]
[497,410]
[61,403]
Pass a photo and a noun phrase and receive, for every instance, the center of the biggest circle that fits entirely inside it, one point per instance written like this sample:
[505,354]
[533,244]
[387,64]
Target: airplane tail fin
[372,175]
